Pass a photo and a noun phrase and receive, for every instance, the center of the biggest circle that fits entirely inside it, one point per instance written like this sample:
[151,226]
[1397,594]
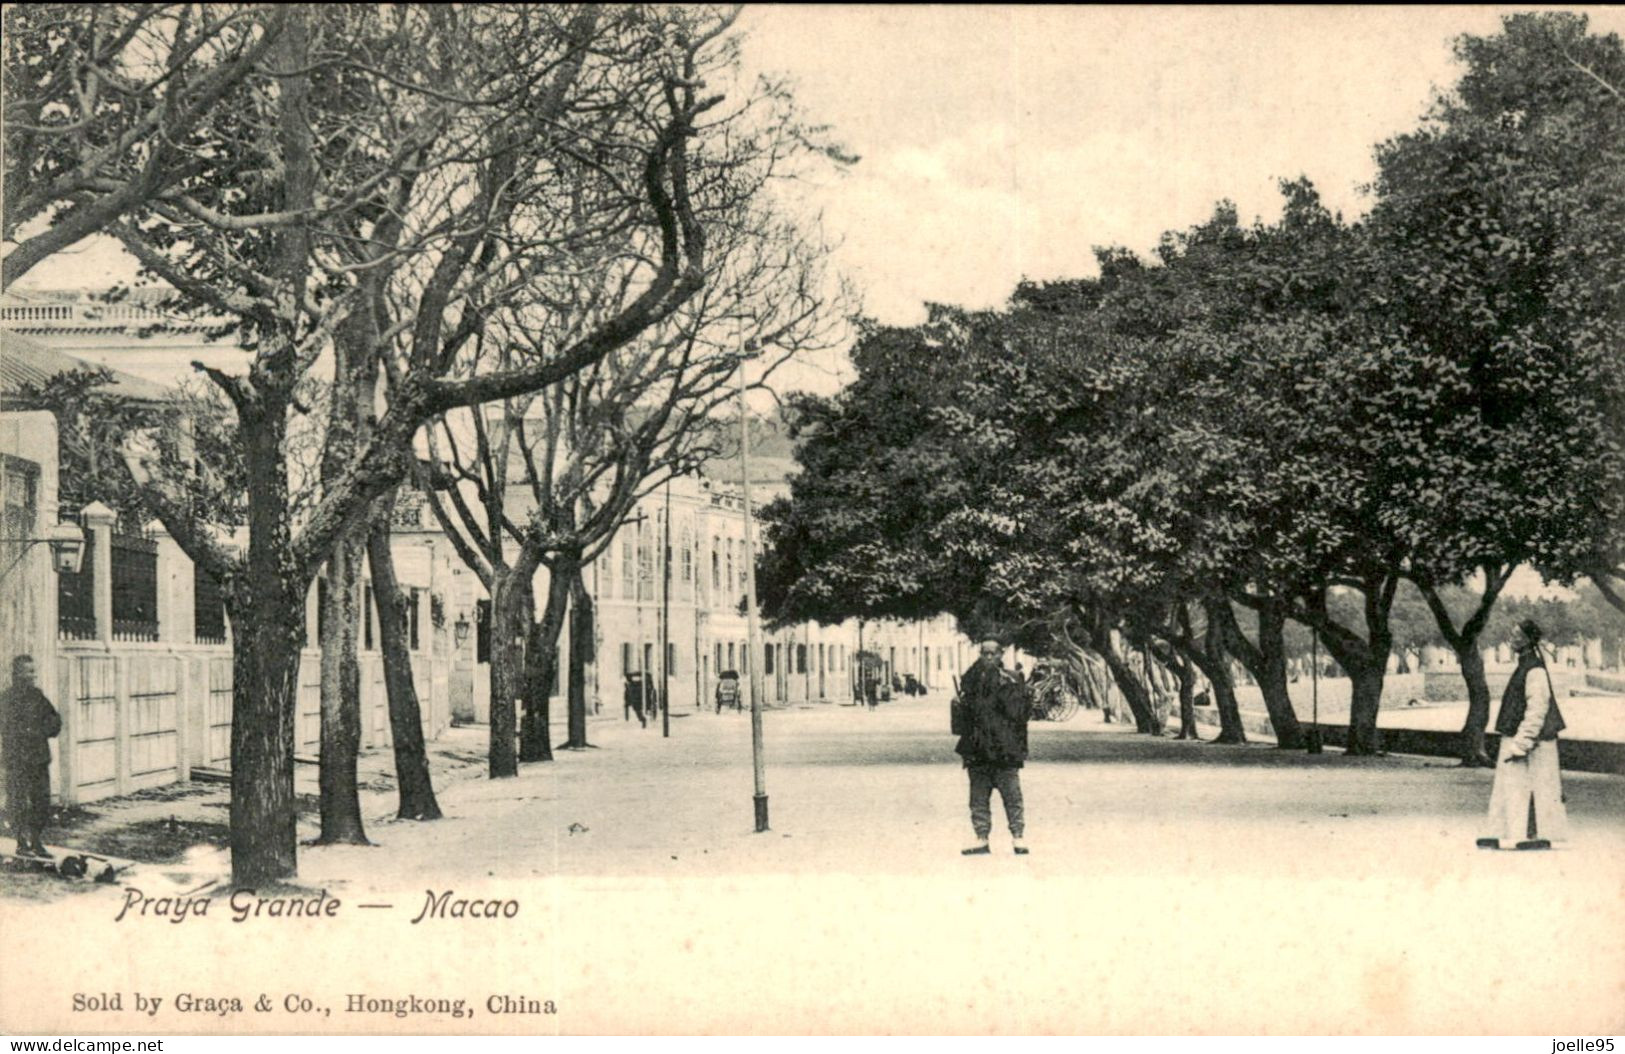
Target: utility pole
[665,627]
[755,632]
[637,604]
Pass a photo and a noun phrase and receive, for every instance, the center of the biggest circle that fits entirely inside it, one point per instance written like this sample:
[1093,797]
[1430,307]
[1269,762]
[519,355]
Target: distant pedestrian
[30,722]
[636,689]
[990,718]
[1526,800]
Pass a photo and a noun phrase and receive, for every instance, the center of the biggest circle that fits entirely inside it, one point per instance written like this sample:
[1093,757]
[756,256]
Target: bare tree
[104,106]
[417,799]
[385,148]
[551,478]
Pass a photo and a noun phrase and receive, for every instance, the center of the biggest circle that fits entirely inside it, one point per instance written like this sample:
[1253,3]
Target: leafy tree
[1500,229]
[1599,620]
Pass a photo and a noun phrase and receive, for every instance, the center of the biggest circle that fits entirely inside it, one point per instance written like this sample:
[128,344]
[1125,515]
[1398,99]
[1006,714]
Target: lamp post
[754,630]
[637,601]
[665,624]
[1313,743]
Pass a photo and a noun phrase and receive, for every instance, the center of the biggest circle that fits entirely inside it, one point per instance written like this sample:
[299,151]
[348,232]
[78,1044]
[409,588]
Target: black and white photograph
[582,520]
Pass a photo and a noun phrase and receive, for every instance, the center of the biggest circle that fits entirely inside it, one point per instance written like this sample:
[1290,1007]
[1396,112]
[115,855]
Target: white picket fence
[141,716]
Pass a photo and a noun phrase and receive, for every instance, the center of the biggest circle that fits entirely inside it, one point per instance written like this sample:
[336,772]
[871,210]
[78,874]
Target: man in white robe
[1526,801]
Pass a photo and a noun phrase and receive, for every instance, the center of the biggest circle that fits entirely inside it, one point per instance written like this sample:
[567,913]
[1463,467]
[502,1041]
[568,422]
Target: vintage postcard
[576,520]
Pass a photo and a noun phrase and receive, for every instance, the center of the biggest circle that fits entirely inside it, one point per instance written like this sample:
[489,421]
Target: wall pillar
[176,602]
[98,519]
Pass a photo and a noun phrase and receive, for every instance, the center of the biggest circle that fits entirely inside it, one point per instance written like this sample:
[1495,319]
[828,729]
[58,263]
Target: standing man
[632,700]
[1526,800]
[30,722]
[990,718]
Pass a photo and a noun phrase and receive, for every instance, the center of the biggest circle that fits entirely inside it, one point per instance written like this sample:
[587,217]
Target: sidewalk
[1269,890]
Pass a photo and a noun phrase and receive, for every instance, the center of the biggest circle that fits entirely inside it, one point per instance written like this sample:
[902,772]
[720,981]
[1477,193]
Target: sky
[1002,143]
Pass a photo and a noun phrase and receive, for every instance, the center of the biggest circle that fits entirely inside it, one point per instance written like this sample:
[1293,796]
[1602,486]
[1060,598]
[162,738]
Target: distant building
[141,655]
[707,634]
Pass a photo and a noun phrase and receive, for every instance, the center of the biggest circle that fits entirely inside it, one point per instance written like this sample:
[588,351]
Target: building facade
[689,608]
[150,686]
[134,648]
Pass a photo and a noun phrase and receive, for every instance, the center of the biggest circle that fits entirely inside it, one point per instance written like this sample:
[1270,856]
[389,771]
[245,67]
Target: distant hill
[772,458]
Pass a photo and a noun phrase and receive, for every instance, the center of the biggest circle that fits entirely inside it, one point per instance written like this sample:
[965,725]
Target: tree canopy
[1299,416]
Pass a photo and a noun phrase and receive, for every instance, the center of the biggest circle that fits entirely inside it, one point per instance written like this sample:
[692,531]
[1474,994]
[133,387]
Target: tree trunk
[266,642]
[1473,752]
[355,372]
[416,789]
[1187,699]
[1165,666]
[511,606]
[1366,687]
[1231,730]
[1272,682]
[265,599]
[581,654]
[342,615]
[542,666]
[1134,692]
[1364,659]
[1464,642]
[1096,680]
[1213,659]
[1266,661]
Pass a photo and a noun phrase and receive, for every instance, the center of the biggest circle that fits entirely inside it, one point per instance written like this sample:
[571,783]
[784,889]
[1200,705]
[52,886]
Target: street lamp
[460,629]
[67,542]
[753,628]
[637,604]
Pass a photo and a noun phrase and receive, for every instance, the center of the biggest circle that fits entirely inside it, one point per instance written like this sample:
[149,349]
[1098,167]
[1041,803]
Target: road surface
[1173,887]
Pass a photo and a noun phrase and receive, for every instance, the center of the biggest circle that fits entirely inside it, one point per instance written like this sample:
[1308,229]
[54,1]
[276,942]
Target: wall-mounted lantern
[67,542]
[461,628]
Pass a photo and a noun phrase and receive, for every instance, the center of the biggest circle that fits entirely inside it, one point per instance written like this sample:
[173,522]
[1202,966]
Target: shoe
[1020,849]
[1489,843]
[976,850]
[1534,843]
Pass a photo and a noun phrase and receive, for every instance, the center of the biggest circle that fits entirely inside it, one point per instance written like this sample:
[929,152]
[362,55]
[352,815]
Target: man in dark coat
[637,691]
[30,722]
[990,717]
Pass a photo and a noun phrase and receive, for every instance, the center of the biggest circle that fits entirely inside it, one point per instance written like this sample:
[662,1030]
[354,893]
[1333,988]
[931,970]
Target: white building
[706,629]
[174,712]
[134,649]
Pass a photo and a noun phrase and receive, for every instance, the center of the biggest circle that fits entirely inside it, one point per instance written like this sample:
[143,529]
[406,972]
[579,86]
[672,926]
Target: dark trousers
[28,800]
[983,779]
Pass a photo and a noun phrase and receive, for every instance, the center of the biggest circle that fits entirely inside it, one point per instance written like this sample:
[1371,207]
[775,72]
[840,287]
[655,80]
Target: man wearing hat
[990,718]
[1526,800]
